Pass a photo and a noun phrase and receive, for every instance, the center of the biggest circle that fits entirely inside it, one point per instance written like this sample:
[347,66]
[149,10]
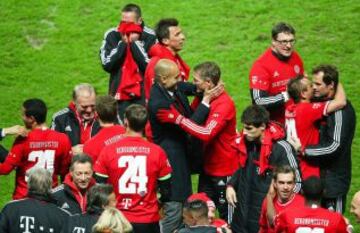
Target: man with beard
[271,72]
[281,196]
[261,148]
[334,148]
[42,147]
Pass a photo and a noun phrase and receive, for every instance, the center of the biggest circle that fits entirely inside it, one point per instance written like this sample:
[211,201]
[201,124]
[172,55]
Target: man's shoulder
[111,32]
[149,31]
[58,191]
[63,113]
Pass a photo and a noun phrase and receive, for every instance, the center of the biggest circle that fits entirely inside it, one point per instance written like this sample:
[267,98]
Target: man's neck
[105,125]
[312,204]
[131,133]
[279,56]
[171,50]
[38,126]
[284,201]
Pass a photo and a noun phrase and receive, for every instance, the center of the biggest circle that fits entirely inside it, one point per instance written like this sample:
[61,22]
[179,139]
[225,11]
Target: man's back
[133,167]
[31,215]
[106,136]
[308,219]
[41,148]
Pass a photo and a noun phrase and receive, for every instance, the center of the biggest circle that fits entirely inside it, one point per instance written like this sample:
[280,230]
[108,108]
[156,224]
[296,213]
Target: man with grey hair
[36,213]
[78,120]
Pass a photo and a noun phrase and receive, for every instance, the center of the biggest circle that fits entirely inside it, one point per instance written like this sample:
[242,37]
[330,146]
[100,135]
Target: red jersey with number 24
[133,166]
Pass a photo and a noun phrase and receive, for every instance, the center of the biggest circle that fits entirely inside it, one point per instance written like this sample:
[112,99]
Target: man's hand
[78,149]
[295,142]
[16,130]
[272,191]
[169,115]
[211,94]
[231,196]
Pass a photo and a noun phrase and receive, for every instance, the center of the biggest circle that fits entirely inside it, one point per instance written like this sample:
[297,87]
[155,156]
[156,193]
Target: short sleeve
[100,166]
[164,164]
[259,77]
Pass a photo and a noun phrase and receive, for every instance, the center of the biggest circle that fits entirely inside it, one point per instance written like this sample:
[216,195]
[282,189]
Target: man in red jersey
[106,108]
[303,116]
[281,196]
[272,70]
[218,132]
[135,168]
[311,217]
[42,147]
[171,41]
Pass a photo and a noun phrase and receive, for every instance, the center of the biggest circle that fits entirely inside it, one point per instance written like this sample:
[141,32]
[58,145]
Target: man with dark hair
[78,120]
[260,148]
[281,196]
[36,213]
[217,133]
[171,41]
[71,195]
[172,138]
[99,197]
[336,137]
[311,217]
[304,116]
[42,147]
[124,55]
[195,214]
[106,108]
[273,69]
[136,168]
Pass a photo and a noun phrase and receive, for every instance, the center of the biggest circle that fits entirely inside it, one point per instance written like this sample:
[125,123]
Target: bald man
[355,206]
[165,92]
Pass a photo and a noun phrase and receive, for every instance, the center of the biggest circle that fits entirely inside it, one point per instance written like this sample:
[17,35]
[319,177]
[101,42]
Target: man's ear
[139,20]
[332,86]
[263,126]
[165,41]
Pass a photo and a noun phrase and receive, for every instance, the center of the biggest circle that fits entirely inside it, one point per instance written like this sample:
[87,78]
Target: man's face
[85,105]
[308,93]
[112,200]
[176,39]
[253,133]
[130,17]
[355,207]
[284,186]
[187,218]
[201,85]
[212,213]
[170,82]
[284,44]
[321,90]
[81,175]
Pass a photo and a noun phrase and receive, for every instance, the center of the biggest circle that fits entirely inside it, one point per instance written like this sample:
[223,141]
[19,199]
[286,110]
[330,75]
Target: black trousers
[146,227]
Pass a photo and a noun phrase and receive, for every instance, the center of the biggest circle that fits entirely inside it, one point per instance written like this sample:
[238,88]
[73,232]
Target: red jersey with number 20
[44,148]
[133,166]
[308,220]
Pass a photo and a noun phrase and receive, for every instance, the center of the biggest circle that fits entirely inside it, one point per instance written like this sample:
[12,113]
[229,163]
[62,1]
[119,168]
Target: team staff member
[311,217]
[336,139]
[281,196]
[42,147]
[36,213]
[124,55]
[72,194]
[217,133]
[261,148]
[78,120]
[172,138]
[106,109]
[271,72]
[99,197]
[135,168]
[303,117]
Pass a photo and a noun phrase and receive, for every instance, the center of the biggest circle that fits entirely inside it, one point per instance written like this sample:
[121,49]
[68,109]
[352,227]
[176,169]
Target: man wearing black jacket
[124,55]
[72,194]
[100,196]
[336,137]
[261,148]
[172,138]
[78,120]
[37,213]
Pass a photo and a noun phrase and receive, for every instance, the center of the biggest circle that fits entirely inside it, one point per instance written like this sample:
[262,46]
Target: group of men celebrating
[296,138]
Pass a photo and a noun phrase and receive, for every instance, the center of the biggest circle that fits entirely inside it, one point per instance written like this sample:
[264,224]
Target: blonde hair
[112,221]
